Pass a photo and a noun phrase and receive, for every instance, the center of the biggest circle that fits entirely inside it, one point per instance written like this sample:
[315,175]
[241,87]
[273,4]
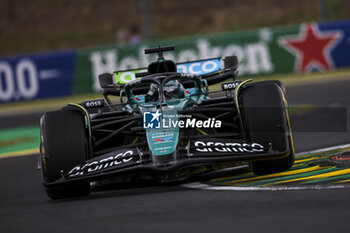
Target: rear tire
[267,121]
[63,147]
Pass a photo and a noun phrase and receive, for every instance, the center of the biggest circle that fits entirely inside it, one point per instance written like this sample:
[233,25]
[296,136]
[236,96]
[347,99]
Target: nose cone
[162,132]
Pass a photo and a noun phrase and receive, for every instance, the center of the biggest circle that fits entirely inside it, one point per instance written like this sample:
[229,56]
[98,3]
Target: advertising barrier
[36,76]
[302,48]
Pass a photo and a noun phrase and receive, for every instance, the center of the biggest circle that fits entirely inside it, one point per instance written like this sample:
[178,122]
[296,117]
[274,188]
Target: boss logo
[93,103]
[230,85]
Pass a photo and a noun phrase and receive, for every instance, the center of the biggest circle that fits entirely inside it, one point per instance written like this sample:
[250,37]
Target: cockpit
[162,89]
[171,90]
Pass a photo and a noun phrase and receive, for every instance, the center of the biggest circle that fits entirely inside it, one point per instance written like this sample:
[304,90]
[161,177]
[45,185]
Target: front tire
[267,121]
[63,146]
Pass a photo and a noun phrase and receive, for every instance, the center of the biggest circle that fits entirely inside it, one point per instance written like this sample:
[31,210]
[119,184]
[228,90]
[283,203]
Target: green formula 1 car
[166,127]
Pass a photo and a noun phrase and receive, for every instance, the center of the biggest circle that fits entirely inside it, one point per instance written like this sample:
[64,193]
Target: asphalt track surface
[24,207]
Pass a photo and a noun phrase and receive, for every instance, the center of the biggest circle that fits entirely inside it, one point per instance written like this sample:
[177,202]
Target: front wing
[131,161]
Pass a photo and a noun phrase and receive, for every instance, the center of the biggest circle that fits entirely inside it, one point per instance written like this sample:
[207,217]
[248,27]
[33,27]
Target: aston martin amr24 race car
[166,127]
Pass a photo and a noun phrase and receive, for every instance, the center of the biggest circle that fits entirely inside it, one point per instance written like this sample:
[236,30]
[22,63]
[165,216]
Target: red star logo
[311,47]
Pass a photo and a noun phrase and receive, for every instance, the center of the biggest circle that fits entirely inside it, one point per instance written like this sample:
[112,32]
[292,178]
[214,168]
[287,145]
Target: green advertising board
[258,51]
[299,48]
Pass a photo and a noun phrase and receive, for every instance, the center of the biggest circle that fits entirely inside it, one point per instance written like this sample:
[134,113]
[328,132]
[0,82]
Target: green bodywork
[164,140]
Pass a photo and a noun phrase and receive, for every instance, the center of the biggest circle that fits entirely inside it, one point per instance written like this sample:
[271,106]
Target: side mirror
[105,80]
[205,85]
[122,94]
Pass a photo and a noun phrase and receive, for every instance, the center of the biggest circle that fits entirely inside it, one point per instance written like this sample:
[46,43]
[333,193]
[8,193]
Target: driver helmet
[152,94]
[173,89]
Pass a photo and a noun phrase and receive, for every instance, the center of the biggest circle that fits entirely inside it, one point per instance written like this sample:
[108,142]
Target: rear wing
[211,69]
[214,70]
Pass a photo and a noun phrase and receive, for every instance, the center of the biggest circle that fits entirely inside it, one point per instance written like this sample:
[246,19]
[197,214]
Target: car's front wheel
[267,122]
[63,146]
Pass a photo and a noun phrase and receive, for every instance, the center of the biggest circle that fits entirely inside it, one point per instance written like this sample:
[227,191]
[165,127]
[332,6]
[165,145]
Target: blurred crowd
[129,35]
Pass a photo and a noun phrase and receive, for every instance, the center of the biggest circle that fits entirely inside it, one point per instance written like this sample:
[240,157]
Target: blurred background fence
[41,25]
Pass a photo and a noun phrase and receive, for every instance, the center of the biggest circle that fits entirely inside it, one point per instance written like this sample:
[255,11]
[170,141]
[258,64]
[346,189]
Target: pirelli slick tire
[266,119]
[63,146]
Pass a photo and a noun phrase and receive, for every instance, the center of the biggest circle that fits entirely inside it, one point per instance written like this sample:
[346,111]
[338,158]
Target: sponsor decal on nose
[162,139]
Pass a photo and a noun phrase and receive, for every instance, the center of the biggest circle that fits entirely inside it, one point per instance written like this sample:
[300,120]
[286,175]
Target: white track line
[324,149]
[199,185]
